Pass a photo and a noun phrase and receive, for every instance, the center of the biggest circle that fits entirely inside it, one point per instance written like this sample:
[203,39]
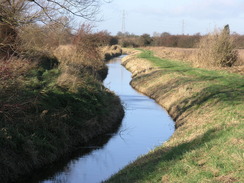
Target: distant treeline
[168,40]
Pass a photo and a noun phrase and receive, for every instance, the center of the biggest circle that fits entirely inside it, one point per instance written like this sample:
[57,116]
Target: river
[145,126]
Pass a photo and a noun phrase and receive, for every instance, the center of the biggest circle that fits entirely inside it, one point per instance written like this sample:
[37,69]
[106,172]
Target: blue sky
[149,16]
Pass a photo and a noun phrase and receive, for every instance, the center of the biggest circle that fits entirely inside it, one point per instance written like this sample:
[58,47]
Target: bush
[33,37]
[217,49]
[145,40]
[87,46]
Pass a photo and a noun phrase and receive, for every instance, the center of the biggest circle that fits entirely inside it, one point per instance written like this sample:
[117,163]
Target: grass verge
[207,107]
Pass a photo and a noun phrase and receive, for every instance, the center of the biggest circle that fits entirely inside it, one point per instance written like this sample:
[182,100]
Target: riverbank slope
[207,107]
[50,107]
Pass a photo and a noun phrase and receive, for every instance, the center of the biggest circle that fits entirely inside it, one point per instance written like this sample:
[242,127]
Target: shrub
[217,49]
[36,37]
[87,46]
[145,40]
[81,58]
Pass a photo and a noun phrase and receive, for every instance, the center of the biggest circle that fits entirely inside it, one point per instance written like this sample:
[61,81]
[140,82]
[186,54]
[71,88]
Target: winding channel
[145,126]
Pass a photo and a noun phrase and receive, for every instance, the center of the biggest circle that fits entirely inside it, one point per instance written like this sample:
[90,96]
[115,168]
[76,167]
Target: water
[145,126]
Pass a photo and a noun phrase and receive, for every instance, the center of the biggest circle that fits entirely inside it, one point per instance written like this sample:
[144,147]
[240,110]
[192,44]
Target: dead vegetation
[109,52]
[181,54]
[217,50]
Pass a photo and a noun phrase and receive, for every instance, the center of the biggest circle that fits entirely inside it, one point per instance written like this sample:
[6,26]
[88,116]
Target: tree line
[168,40]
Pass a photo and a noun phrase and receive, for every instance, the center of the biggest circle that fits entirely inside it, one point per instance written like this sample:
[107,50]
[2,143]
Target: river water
[145,126]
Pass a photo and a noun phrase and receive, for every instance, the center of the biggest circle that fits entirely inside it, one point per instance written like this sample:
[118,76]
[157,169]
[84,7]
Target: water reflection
[144,126]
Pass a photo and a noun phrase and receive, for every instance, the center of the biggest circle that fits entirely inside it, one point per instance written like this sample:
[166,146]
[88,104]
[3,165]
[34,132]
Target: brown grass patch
[181,54]
[109,52]
[14,68]
[226,179]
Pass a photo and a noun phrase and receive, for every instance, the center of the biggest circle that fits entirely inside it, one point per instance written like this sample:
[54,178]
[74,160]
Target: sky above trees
[173,16]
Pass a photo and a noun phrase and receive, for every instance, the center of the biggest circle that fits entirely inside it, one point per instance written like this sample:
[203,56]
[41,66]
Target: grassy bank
[207,107]
[48,111]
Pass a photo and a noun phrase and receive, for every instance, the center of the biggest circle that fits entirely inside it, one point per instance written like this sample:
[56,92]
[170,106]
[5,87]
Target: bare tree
[86,9]
[16,13]
[19,12]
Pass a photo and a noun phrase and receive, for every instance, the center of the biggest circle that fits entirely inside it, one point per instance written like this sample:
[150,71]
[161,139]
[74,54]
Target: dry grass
[217,49]
[69,55]
[188,55]
[109,52]
[74,64]
[137,67]
[130,51]
[181,54]
[240,61]
[14,68]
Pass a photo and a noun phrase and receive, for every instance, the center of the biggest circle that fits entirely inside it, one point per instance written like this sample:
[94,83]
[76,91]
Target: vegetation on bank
[51,96]
[46,112]
[207,107]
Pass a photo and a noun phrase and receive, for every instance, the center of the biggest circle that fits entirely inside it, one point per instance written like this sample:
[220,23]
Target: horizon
[187,17]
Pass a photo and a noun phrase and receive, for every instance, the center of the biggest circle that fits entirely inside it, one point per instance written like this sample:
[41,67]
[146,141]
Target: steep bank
[110,52]
[207,107]
[47,113]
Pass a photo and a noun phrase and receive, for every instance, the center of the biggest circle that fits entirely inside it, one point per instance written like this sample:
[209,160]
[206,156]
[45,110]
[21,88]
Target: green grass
[208,143]
[218,85]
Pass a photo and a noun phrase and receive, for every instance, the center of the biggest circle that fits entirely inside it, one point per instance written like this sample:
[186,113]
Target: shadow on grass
[215,93]
[144,168]
[216,89]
